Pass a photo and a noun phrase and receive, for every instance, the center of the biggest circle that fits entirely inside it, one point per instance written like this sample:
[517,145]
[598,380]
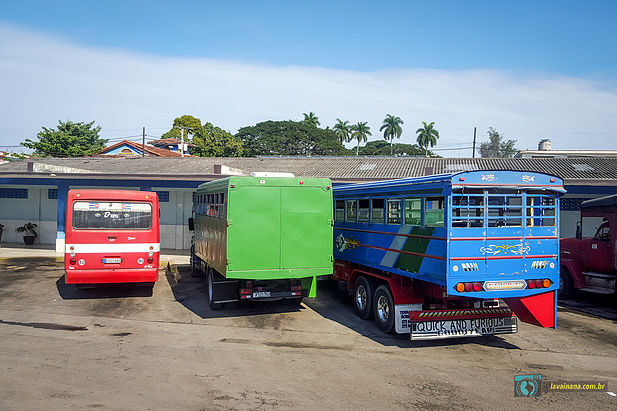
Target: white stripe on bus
[113,248]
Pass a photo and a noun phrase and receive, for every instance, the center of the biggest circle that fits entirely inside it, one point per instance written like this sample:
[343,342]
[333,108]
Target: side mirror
[579,231]
[191,224]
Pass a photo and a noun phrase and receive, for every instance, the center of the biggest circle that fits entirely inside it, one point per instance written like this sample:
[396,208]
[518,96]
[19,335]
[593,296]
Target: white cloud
[44,79]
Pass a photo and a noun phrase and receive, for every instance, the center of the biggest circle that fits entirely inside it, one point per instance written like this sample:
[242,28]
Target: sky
[529,69]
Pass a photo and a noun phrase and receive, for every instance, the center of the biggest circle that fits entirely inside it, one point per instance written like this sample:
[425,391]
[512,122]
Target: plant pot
[29,239]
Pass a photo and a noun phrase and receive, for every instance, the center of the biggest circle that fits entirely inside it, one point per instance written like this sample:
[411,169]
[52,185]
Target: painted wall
[37,208]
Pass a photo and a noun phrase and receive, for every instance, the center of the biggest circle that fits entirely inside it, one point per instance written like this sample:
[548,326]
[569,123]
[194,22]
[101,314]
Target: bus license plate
[111,260]
[261,294]
[427,330]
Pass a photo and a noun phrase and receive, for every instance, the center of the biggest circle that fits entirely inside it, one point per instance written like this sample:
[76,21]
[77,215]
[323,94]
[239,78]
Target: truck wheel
[363,298]
[210,280]
[566,288]
[384,309]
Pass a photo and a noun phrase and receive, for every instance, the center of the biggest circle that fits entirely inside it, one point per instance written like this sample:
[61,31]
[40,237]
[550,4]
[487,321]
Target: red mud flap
[539,309]
[429,325]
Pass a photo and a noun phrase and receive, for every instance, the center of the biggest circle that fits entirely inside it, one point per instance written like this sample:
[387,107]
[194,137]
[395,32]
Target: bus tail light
[73,261]
[468,287]
[150,260]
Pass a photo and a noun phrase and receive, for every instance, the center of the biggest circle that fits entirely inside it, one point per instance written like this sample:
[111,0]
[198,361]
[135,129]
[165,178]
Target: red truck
[589,263]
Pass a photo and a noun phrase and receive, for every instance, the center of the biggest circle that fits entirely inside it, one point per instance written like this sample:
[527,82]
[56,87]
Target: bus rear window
[95,215]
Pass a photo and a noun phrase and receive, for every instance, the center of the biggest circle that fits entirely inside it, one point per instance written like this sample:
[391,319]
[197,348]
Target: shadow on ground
[71,292]
[335,305]
[191,292]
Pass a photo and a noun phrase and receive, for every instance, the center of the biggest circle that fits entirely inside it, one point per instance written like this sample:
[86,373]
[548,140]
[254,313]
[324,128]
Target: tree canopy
[191,123]
[292,138]
[311,119]
[383,148]
[209,140]
[212,141]
[342,130]
[496,146]
[360,132]
[427,135]
[391,128]
[68,140]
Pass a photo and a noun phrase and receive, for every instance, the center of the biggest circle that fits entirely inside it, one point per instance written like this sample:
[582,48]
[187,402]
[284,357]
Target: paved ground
[126,348]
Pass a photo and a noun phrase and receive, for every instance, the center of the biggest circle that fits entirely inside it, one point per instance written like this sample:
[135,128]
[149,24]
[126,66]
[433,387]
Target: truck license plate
[261,294]
[428,330]
[111,260]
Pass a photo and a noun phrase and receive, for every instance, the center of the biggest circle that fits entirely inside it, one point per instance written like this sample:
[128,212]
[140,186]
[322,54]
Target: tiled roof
[579,170]
[153,151]
[168,141]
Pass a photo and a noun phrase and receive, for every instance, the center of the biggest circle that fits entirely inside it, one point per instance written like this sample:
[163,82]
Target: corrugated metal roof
[343,168]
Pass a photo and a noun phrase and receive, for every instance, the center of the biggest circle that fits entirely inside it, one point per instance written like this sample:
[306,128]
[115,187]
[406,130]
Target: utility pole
[182,128]
[473,155]
[143,142]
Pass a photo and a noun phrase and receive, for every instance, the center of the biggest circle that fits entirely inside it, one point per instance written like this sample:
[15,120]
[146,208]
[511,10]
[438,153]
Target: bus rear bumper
[112,276]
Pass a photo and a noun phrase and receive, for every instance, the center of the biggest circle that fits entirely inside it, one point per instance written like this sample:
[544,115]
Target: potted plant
[29,232]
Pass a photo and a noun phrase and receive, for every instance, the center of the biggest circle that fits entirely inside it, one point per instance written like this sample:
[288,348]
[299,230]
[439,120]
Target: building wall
[37,208]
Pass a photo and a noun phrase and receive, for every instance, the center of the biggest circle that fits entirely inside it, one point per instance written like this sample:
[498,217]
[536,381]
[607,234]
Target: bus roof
[105,194]
[473,179]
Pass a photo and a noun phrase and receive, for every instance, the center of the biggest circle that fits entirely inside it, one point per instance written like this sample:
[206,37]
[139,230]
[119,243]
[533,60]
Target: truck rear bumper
[112,276]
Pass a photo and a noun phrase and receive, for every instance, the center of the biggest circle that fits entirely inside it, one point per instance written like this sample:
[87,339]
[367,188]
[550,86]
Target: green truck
[262,238]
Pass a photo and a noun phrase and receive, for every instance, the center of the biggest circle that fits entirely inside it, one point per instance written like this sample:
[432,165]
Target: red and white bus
[112,236]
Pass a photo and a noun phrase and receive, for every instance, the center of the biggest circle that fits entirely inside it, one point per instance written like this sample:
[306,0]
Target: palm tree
[341,128]
[360,132]
[427,135]
[311,119]
[391,128]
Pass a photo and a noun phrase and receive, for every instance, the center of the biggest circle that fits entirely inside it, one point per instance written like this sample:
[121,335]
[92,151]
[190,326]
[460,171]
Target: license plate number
[463,328]
[111,260]
[261,294]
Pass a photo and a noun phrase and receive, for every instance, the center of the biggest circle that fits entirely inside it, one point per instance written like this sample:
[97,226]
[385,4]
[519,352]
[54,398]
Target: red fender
[539,309]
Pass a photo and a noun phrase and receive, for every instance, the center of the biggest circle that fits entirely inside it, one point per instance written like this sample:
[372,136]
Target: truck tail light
[468,287]
[547,283]
[296,288]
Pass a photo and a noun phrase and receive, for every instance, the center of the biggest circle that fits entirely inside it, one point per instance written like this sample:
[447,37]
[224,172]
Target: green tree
[427,135]
[496,146]
[311,119]
[360,131]
[68,140]
[383,148]
[391,128]
[187,121]
[291,138]
[341,128]
[212,141]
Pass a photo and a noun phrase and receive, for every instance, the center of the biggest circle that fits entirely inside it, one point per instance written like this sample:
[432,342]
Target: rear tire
[384,309]
[363,298]
[566,286]
[213,305]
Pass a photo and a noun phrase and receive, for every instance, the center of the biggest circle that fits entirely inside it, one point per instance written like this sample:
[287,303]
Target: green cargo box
[265,228]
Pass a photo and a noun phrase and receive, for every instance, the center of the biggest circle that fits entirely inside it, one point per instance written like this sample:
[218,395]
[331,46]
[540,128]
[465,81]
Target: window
[413,211]
[52,194]
[540,210]
[112,215]
[433,212]
[363,211]
[468,210]
[222,208]
[339,210]
[505,210]
[377,215]
[163,196]
[394,211]
[350,206]
[14,193]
